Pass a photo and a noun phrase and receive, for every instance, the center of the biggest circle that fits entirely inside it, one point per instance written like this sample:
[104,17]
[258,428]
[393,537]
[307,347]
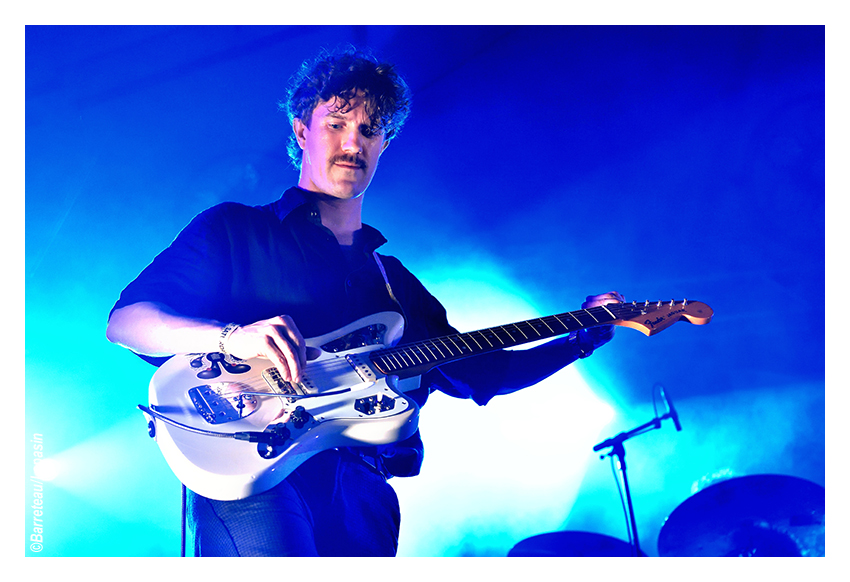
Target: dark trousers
[334,504]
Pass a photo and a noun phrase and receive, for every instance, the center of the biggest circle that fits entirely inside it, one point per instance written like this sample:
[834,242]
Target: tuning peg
[685,303]
[672,302]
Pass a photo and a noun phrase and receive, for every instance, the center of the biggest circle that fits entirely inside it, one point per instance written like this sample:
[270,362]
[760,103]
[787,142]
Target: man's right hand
[276,339]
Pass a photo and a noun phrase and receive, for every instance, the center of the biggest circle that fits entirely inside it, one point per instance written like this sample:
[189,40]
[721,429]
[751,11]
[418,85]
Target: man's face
[340,152]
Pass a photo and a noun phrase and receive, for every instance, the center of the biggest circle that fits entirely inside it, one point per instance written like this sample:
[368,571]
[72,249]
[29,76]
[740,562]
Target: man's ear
[298,129]
[386,144]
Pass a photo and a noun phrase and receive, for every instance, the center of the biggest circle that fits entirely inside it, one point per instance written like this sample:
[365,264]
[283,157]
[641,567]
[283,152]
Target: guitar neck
[419,357]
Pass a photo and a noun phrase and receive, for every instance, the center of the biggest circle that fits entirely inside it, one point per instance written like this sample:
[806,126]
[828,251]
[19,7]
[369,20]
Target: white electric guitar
[230,428]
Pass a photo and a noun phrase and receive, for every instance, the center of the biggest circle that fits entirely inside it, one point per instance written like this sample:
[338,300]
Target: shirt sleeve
[189,274]
[426,318]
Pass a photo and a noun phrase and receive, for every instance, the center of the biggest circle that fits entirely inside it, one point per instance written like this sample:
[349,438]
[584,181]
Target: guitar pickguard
[214,362]
[370,335]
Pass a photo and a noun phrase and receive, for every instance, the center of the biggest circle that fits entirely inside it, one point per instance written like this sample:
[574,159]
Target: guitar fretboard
[419,357]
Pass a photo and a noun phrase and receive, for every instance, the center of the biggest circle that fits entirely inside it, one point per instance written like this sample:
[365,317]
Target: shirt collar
[289,201]
[295,197]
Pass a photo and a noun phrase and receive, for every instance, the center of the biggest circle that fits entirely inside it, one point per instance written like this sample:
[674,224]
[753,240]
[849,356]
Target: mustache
[349,159]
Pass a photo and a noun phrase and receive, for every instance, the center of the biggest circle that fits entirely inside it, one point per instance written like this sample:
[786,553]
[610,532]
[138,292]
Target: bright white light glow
[46,469]
[121,463]
[495,475]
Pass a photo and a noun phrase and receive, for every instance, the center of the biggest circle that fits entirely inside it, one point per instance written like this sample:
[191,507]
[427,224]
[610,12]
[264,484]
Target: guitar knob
[300,417]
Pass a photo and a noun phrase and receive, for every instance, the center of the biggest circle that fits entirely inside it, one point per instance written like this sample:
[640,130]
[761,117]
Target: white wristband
[226,332]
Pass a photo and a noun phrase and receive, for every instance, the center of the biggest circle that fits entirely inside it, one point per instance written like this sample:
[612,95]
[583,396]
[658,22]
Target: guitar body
[230,428]
[341,401]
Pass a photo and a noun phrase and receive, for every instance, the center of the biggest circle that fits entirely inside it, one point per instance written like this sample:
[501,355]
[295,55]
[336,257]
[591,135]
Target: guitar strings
[600,314]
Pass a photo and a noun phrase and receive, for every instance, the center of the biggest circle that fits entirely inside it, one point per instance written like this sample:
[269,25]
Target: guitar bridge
[217,407]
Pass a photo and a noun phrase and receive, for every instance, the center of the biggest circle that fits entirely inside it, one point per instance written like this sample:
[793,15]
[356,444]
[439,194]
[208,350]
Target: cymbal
[571,544]
[755,515]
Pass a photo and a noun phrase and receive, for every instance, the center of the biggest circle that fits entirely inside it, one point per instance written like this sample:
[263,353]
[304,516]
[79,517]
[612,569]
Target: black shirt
[242,264]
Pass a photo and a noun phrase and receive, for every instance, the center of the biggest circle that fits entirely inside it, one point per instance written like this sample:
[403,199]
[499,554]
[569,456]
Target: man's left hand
[594,337]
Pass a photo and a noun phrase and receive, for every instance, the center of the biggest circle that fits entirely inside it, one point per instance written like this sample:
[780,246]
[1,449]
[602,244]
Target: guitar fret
[566,327]
[460,337]
[415,358]
[481,333]
[430,351]
[400,364]
[387,362]
[461,345]
[472,337]
[622,310]
[443,343]
[538,327]
[507,332]
[403,353]
[438,349]
[519,329]
[451,347]
[495,335]
[433,355]
[413,351]
[448,347]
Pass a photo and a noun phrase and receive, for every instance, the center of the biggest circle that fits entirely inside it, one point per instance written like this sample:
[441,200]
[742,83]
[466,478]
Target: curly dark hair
[342,74]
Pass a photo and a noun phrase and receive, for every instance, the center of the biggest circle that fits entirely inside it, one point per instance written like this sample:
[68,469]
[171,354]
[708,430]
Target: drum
[754,516]
[572,544]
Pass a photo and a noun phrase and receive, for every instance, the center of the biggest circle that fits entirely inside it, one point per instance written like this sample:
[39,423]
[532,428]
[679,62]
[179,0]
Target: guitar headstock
[650,318]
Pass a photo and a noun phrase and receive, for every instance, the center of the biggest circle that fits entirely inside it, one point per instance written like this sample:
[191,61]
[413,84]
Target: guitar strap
[402,459]
[386,279]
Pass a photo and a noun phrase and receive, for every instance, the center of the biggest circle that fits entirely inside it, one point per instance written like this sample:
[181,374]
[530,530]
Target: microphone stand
[618,450]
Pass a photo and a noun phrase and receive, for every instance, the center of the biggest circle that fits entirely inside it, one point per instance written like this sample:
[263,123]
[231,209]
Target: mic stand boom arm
[618,450]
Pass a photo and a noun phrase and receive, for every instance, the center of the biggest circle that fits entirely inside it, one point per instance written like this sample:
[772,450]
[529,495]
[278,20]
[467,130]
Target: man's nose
[351,142]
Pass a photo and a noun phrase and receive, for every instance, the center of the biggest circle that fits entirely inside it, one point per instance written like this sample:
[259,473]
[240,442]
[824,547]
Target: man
[255,281]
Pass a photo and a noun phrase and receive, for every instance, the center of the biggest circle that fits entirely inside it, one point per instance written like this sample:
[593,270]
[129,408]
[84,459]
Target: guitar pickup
[374,404]
[281,386]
